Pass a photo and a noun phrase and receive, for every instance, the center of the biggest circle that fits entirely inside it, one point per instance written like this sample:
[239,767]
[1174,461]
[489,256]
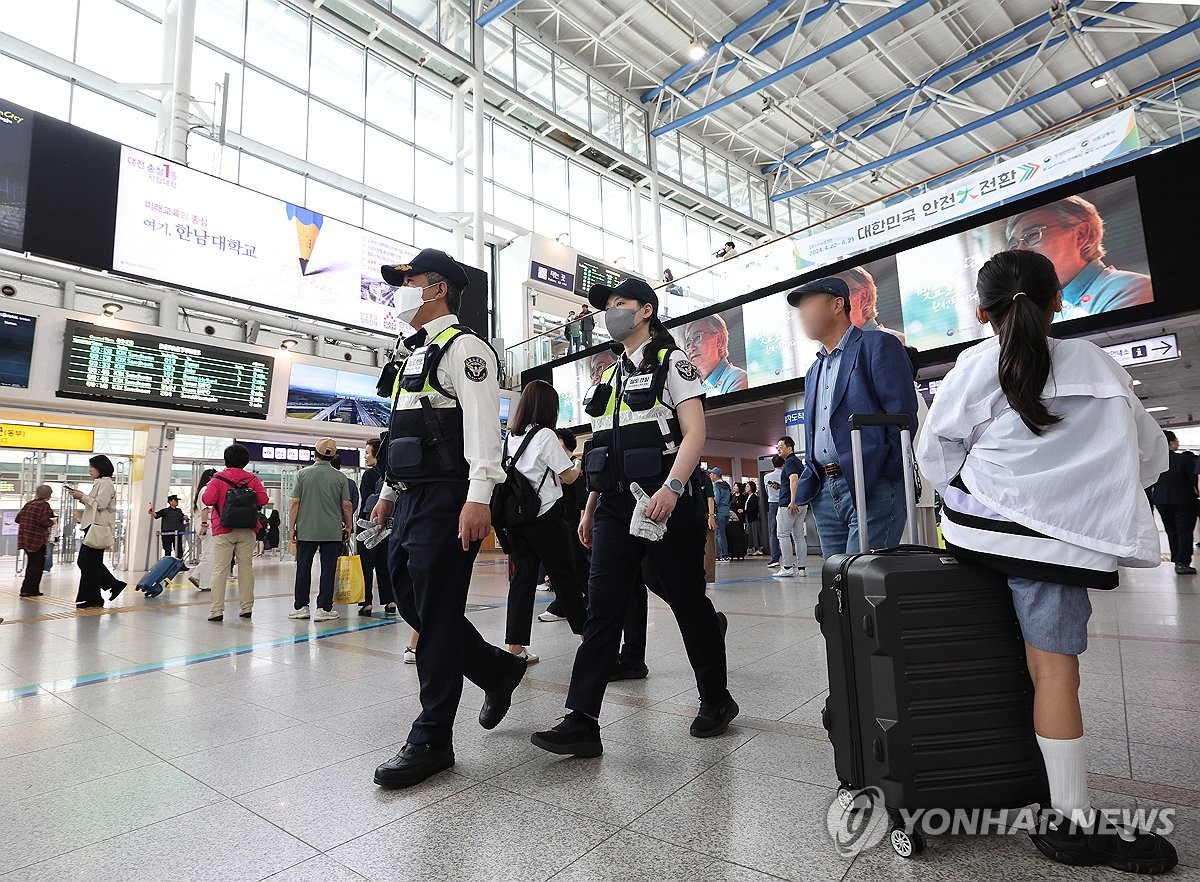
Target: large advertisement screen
[16,348]
[117,365]
[16,138]
[331,396]
[187,228]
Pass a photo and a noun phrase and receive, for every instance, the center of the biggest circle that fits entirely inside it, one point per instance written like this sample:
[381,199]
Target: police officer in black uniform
[648,431]
[442,462]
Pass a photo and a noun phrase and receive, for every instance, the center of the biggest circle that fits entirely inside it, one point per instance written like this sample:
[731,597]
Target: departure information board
[110,364]
[590,272]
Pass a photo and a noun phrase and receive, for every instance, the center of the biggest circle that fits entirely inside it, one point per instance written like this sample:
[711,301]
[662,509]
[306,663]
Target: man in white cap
[322,518]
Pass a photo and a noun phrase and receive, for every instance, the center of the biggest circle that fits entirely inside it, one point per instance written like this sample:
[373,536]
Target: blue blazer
[874,376]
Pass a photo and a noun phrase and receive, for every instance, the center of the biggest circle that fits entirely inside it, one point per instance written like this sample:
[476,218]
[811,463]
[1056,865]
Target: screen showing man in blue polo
[716,346]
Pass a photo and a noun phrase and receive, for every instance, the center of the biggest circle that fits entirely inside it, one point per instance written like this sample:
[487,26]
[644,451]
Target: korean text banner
[187,228]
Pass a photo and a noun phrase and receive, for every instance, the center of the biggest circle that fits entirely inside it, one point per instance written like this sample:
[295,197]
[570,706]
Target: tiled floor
[248,755]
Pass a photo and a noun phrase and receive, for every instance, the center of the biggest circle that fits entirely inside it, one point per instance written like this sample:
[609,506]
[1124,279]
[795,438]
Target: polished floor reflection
[144,742]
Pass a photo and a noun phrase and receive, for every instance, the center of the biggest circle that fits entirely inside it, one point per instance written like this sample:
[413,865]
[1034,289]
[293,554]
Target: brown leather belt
[830,470]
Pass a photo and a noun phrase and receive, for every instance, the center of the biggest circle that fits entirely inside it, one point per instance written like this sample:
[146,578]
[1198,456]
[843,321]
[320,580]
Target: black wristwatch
[676,486]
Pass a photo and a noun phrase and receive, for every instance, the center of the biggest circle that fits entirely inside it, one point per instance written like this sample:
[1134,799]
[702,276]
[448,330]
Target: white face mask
[409,301]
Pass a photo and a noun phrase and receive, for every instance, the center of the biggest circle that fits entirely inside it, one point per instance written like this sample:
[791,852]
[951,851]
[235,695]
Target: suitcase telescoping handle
[857,422]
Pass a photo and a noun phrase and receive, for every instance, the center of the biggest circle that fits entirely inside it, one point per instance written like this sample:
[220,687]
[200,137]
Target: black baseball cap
[430,260]
[635,288]
[832,286]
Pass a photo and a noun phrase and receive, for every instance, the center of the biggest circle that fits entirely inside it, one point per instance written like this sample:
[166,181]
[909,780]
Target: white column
[477,91]
[181,79]
[170,31]
[458,136]
[153,453]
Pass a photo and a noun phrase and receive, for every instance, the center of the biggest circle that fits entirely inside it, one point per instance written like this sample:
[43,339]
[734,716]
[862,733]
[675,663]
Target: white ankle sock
[1066,767]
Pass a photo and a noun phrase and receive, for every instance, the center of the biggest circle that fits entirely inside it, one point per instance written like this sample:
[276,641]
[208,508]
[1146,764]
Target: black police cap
[635,289]
[430,260]
[832,286]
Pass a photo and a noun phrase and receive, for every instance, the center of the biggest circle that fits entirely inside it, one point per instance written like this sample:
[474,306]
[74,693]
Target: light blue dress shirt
[1098,288]
[824,450]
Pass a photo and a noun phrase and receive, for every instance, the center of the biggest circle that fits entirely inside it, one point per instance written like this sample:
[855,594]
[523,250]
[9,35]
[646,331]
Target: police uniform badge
[686,370]
[476,369]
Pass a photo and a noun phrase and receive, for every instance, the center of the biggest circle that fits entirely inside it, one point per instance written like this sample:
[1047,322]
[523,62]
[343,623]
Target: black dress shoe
[414,764]
[626,670]
[714,719]
[116,592]
[1146,853]
[32,594]
[575,735]
[497,702]
[245,615]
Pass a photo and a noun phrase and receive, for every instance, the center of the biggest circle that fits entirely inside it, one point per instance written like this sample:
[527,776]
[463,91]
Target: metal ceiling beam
[788,70]
[499,8]
[949,70]
[726,42]
[1024,104]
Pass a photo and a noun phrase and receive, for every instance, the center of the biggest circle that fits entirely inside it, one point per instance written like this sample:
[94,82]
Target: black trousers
[305,552]
[547,542]
[94,576]
[431,574]
[375,563]
[173,541]
[633,637]
[1179,521]
[580,559]
[35,565]
[678,560]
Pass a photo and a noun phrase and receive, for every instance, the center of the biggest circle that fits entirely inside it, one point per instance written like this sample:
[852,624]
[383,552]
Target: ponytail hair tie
[1019,294]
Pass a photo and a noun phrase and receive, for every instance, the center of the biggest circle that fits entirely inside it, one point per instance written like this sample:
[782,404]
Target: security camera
[210,330]
[347,356]
[8,291]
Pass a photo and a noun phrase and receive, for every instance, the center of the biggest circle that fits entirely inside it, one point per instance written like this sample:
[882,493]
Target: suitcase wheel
[906,843]
[845,798]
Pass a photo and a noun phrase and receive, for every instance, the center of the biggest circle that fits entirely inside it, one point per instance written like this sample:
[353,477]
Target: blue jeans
[722,539]
[772,513]
[837,521]
[305,552]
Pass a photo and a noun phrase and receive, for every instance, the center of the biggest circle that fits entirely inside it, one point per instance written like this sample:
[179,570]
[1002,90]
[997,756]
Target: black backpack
[240,511]
[516,502]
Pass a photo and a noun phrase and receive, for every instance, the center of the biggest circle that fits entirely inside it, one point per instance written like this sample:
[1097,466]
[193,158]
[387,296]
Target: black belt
[829,469]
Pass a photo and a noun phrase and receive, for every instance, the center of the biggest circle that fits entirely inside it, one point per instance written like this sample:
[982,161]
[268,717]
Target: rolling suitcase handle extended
[857,422]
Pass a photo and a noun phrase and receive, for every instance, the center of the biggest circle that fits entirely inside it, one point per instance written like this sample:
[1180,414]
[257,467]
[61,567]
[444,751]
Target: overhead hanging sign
[47,438]
[1164,347]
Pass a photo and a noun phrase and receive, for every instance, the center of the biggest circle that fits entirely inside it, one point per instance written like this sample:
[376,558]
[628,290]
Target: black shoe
[1147,853]
[116,592]
[245,615]
[220,617]
[714,719]
[497,702]
[32,594]
[626,670]
[575,735]
[1183,570]
[413,764]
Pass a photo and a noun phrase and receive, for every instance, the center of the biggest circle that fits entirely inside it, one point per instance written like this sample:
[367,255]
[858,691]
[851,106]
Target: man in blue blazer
[855,372]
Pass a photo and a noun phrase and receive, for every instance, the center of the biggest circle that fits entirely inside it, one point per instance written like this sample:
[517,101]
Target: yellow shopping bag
[349,584]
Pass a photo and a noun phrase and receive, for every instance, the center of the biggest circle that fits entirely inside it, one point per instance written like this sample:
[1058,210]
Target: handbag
[98,536]
[348,585]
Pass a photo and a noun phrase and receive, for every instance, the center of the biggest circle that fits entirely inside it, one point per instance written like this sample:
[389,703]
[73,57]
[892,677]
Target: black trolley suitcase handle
[857,422]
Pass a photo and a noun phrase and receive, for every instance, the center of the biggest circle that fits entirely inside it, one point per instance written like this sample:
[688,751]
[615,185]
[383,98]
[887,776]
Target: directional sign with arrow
[1162,348]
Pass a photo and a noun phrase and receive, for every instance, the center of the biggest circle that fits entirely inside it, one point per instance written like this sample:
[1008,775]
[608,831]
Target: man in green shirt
[322,518]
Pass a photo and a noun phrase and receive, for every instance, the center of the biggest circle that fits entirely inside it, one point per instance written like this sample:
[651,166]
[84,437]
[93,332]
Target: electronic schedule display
[117,365]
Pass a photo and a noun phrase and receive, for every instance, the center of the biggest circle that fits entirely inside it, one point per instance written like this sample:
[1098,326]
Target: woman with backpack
[535,464]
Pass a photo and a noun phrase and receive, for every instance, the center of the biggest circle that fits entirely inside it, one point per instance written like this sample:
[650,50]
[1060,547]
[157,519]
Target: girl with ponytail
[1042,452]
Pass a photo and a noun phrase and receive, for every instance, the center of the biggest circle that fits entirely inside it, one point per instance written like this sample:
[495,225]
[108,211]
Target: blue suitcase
[161,573]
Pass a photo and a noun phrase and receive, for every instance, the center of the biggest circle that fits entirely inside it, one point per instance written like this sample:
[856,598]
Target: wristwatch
[675,485]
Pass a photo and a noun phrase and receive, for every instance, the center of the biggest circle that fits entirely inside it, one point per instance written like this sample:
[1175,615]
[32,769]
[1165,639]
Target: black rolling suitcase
[735,535]
[930,700]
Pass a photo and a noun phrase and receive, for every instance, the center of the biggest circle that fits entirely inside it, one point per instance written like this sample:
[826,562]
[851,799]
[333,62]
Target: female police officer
[648,432]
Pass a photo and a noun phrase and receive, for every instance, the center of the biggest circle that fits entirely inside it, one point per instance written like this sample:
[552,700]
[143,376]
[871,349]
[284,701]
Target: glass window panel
[154,7]
[718,177]
[266,177]
[618,251]
[758,200]
[647,220]
[206,155]
[208,71]
[570,93]
[783,217]
[335,141]
[118,42]
[513,207]
[113,119]
[510,153]
[456,26]
[498,52]
[434,115]
[586,238]
[583,194]
[33,88]
[606,114]
[49,25]
[274,114]
[434,183]
[674,234]
[429,236]
[550,178]
[389,165]
[337,70]
[549,223]
[389,97]
[691,164]
[222,23]
[421,14]
[635,132]
[617,218]
[534,79]
[667,152]
[392,224]
[700,251]
[277,40]
[333,202]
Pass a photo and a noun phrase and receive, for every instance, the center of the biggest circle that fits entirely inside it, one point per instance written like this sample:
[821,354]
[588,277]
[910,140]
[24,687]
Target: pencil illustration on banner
[308,225]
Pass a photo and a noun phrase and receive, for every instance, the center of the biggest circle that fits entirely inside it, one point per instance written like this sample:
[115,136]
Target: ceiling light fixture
[697,50]
[111,309]
[1099,83]
[288,344]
